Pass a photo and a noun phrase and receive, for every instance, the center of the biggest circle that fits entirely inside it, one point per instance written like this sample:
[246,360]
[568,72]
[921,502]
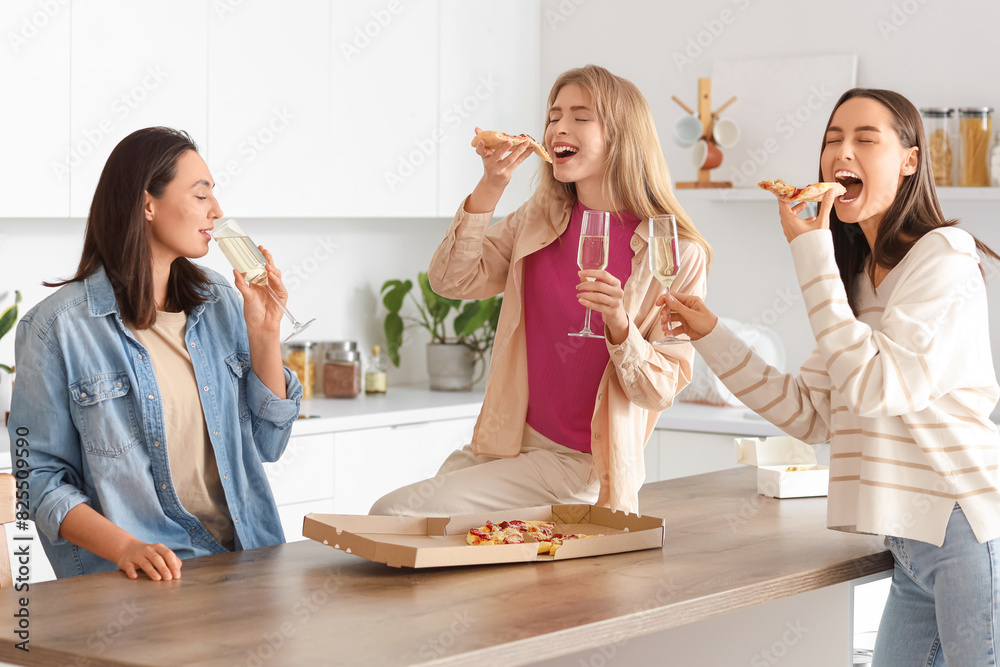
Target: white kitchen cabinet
[134,65]
[269,107]
[685,453]
[490,73]
[347,471]
[385,117]
[373,462]
[34,116]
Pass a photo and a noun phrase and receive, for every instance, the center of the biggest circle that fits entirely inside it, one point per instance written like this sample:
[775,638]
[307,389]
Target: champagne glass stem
[291,318]
[586,322]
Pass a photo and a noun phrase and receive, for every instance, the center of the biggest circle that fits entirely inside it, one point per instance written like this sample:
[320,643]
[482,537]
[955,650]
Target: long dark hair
[914,212]
[117,234]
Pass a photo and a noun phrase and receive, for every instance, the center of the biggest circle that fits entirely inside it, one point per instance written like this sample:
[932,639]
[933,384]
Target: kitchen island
[750,576]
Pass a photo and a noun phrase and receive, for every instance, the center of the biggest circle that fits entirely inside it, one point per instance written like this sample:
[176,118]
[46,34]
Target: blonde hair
[635,177]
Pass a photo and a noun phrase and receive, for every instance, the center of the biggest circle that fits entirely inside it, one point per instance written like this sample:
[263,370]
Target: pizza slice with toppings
[494,140]
[789,193]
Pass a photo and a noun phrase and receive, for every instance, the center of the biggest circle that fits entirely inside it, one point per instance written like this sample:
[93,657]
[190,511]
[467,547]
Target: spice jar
[938,128]
[976,128]
[299,359]
[342,370]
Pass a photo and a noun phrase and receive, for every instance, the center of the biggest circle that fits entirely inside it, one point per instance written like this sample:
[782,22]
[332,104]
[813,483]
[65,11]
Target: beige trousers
[544,473]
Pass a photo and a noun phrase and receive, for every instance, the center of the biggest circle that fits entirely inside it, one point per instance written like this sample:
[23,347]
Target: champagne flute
[593,254]
[664,260]
[246,258]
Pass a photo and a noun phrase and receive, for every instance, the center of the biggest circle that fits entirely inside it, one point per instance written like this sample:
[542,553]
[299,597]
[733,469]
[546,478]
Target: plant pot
[450,366]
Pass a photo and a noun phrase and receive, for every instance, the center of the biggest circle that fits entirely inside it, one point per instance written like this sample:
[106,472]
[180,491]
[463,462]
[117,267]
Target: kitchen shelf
[756,194]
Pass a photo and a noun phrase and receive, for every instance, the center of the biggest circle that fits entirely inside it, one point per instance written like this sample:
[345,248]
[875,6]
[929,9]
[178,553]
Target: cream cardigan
[903,392]
[477,260]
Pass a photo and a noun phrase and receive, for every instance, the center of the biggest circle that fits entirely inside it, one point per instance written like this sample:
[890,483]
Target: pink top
[564,372]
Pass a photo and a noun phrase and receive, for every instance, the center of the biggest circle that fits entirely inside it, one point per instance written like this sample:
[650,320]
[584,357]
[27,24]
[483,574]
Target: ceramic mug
[706,155]
[725,132]
[687,130]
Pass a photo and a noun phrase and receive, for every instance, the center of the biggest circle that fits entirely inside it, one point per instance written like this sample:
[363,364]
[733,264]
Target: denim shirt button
[156,444]
[226,476]
[163,486]
[215,433]
[139,357]
[151,397]
[205,388]
[194,344]
[83,394]
[236,520]
[118,384]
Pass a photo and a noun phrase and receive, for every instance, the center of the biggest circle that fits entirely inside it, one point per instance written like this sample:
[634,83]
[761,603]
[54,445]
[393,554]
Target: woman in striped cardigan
[901,382]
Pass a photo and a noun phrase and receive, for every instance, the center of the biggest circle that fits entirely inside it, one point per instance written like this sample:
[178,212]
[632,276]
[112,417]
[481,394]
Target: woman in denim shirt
[105,483]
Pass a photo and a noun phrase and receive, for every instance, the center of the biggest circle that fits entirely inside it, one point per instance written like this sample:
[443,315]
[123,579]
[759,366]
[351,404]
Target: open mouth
[851,182]
[207,233]
[564,151]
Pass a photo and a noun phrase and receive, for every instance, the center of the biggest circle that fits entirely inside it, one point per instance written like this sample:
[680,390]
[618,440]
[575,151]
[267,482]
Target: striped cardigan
[903,392]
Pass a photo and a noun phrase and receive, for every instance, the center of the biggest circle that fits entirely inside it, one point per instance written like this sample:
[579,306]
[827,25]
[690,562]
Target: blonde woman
[565,419]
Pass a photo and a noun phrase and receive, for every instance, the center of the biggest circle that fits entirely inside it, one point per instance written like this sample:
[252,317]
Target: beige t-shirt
[192,459]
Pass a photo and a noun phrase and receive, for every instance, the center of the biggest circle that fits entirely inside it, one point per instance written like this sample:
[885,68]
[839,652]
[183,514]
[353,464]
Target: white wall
[937,54]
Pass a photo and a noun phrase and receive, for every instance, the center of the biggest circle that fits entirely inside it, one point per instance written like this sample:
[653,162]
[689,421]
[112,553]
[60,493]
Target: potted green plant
[451,360]
[7,320]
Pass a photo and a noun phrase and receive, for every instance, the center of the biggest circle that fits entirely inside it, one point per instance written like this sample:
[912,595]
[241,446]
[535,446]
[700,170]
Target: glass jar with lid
[342,370]
[299,358]
[976,128]
[941,144]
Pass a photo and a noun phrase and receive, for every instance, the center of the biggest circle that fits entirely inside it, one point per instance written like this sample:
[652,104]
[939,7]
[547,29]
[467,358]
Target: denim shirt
[87,402]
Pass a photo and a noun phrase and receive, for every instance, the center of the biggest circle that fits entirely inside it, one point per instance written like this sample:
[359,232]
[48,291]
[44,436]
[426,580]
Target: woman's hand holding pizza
[604,294]
[686,314]
[793,225]
[498,168]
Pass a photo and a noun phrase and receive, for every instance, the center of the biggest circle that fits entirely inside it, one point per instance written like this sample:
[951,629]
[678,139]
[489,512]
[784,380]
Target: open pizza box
[774,457]
[441,541]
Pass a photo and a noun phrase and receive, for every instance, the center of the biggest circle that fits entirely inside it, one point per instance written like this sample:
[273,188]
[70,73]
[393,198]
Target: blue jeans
[943,604]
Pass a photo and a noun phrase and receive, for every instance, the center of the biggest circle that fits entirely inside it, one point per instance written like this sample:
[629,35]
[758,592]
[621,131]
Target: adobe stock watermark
[899,15]
[785,127]
[302,611]
[364,34]
[773,654]
[712,29]
[562,12]
[254,144]
[434,648]
[224,7]
[324,248]
[35,22]
[426,147]
[121,108]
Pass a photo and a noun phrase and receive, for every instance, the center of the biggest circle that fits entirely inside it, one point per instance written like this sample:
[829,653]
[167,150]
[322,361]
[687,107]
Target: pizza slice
[494,140]
[789,193]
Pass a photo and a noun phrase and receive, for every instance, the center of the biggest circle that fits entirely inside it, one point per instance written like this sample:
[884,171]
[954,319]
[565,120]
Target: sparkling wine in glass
[592,254]
[664,260]
[247,258]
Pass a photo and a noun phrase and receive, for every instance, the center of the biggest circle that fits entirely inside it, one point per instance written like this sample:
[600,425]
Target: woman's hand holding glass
[261,312]
[686,314]
[601,291]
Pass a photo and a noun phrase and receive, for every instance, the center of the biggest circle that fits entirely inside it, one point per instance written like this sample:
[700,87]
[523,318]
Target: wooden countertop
[305,604]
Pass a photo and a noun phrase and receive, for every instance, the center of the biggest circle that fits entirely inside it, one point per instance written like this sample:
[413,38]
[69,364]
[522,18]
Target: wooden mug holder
[707,118]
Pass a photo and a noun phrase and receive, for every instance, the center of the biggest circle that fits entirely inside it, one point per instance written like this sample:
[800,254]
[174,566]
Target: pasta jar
[342,370]
[299,359]
[938,128]
[976,129]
